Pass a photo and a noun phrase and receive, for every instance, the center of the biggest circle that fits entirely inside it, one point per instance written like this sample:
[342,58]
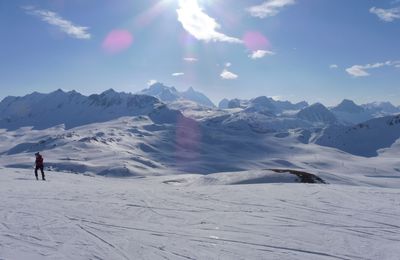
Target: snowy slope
[73,109]
[348,106]
[137,146]
[257,121]
[223,104]
[170,94]
[82,217]
[381,108]
[317,113]
[363,139]
[196,96]
[262,104]
[195,111]
[238,103]
[349,113]
[162,92]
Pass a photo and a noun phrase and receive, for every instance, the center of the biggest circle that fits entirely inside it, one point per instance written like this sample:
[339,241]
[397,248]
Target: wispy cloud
[387,15]
[190,59]
[228,75]
[269,8]
[52,18]
[362,70]
[203,27]
[258,54]
[333,66]
[177,74]
[228,64]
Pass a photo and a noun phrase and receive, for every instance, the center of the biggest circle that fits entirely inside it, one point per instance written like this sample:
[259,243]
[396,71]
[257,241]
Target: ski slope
[180,217]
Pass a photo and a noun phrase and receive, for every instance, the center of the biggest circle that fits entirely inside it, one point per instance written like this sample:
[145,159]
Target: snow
[363,139]
[130,177]
[152,145]
[223,104]
[198,97]
[171,94]
[350,113]
[193,110]
[262,104]
[382,108]
[348,106]
[72,109]
[317,113]
[85,217]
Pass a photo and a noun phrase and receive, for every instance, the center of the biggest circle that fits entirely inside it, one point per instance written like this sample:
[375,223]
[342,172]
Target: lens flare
[188,137]
[256,41]
[117,41]
[149,15]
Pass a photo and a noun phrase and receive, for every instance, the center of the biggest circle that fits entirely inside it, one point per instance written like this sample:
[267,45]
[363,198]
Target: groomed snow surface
[75,216]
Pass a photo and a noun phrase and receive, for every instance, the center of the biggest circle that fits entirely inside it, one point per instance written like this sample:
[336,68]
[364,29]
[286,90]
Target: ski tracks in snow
[80,217]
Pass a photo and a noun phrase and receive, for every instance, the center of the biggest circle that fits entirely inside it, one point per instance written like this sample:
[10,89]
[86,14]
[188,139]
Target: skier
[39,165]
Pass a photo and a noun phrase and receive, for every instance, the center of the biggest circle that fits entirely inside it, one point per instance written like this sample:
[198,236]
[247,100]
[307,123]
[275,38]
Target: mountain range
[74,109]
[185,131]
[170,94]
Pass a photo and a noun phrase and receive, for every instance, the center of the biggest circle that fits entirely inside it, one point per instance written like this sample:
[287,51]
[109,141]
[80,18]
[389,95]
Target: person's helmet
[37,154]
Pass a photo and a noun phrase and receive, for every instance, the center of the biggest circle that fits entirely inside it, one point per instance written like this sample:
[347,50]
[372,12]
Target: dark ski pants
[41,170]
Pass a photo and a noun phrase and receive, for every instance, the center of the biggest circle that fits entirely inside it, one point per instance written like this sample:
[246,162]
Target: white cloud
[258,54]
[177,74]
[151,82]
[357,71]
[228,75]
[52,18]
[362,70]
[228,64]
[387,15]
[190,59]
[333,66]
[203,27]
[269,8]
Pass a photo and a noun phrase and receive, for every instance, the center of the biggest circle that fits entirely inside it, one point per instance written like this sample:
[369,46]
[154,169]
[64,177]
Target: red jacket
[39,161]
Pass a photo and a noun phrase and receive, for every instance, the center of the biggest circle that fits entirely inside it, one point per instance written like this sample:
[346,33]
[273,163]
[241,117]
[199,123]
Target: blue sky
[314,50]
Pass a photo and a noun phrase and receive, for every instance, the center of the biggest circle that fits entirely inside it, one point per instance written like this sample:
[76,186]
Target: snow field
[81,217]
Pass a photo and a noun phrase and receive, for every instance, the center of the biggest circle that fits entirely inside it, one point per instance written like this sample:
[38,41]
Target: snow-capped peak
[382,108]
[317,113]
[109,91]
[348,106]
[162,92]
[198,97]
[170,94]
